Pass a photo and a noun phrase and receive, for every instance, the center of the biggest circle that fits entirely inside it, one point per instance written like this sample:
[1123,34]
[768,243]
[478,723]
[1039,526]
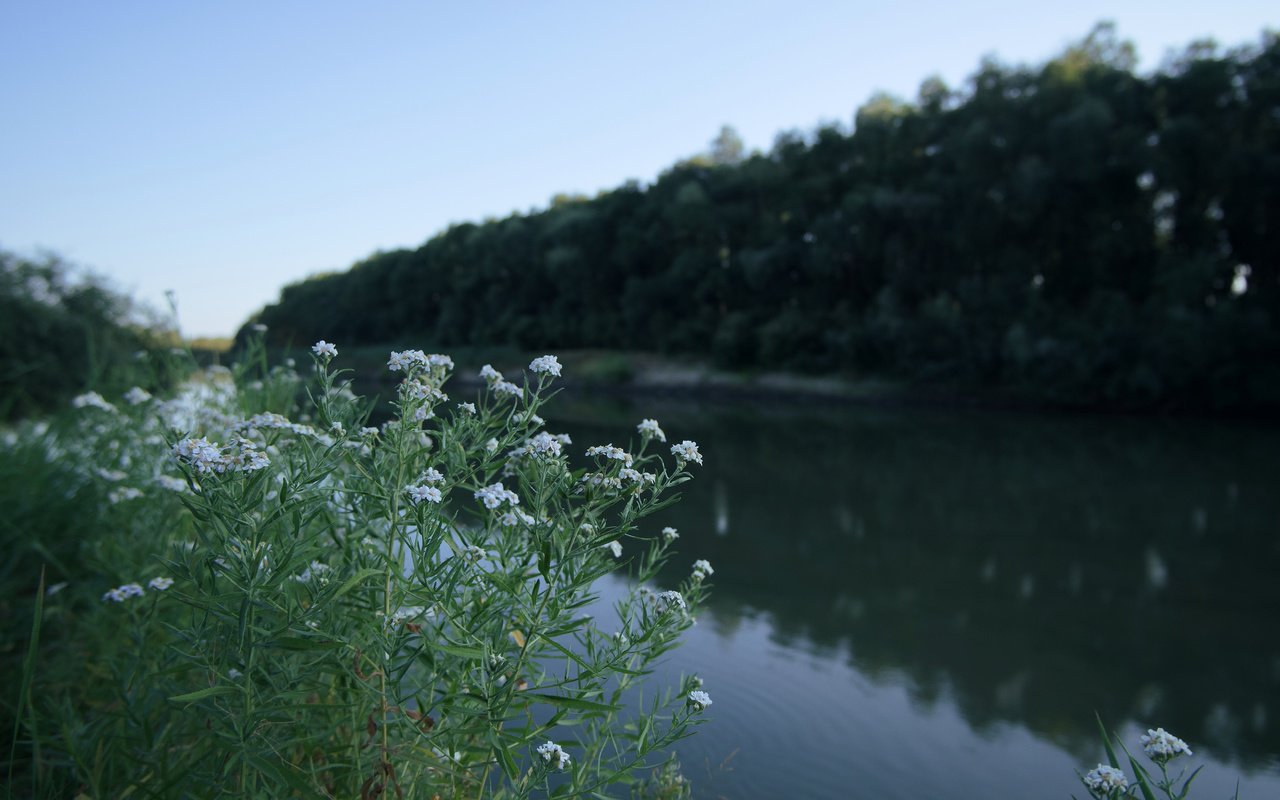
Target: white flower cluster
[614,547]
[171,483]
[323,349]
[648,428]
[315,571]
[508,388]
[91,399]
[609,451]
[641,479]
[700,700]
[128,590]
[1102,780]
[543,445]
[419,494]
[554,755]
[473,553]
[549,365]
[112,475]
[669,600]
[470,408]
[490,374]
[1161,746]
[408,360]
[701,569]
[516,517]
[495,495]
[122,494]
[268,420]
[687,451]
[206,457]
[420,389]
[670,534]
[137,396]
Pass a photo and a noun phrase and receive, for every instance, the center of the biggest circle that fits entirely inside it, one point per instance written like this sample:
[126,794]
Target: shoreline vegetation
[1069,234]
[648,375]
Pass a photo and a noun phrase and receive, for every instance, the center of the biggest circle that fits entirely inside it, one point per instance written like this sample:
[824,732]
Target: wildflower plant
[1110,782]
[322,607]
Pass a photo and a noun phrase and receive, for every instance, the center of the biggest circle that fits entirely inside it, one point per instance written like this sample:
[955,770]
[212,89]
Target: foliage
[1071,232]
[64,331]
[324,608]
[1109,781]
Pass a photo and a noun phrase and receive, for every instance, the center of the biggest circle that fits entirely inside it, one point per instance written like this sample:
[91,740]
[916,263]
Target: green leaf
[212,691]
[1106,742]
[505,758]
[303,643]
[1145,788]
[355,580]
[574,703]
[461,651]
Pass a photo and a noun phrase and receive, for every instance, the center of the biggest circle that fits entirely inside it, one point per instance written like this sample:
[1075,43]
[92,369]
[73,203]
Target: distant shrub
[63,331]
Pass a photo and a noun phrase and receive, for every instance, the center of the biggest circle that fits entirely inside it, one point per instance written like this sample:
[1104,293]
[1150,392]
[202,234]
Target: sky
[223,150]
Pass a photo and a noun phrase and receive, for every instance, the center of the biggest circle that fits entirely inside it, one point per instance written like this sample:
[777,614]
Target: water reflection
[1024,571]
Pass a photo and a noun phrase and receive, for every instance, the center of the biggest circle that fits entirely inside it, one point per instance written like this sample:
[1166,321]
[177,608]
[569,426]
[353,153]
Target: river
[933,604]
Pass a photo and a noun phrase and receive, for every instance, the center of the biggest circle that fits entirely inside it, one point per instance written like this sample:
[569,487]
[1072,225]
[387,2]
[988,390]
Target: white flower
[432,476]
[649,427]
[507,388]
[201,455]
[669,600]
[123,493]
[546,364]
[171,483]
[1102,780]
[137,396]
[258,327]
[495,495]
[609,451]
[701,569]
[418,494]
[406,360]
[438,360]
[700,700]
[473,553]
[91,399]
[515,517]
[491,445]
[544,444]
[615,548]
[554,755]
[113,475]
[323,349]
[490,374]
[687,451]
[122,593]
[1162,746]
[234,673]
[470,408]
[316,570]
[160,584]
[670,534]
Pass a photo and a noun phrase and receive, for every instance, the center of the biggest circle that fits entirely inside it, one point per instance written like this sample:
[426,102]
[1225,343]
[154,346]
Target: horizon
[241,192]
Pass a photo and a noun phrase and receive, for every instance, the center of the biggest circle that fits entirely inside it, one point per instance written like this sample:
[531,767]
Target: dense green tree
[1072,232]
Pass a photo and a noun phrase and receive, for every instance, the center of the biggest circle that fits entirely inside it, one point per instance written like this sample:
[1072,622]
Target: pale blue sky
[225,149]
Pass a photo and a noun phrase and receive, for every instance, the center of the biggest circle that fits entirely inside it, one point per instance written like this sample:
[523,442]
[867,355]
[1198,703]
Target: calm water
[921,604]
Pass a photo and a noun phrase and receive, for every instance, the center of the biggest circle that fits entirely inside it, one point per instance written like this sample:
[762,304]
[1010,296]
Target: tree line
[1073,232]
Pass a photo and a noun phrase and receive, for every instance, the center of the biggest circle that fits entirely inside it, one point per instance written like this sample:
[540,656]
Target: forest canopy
[1073,232]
